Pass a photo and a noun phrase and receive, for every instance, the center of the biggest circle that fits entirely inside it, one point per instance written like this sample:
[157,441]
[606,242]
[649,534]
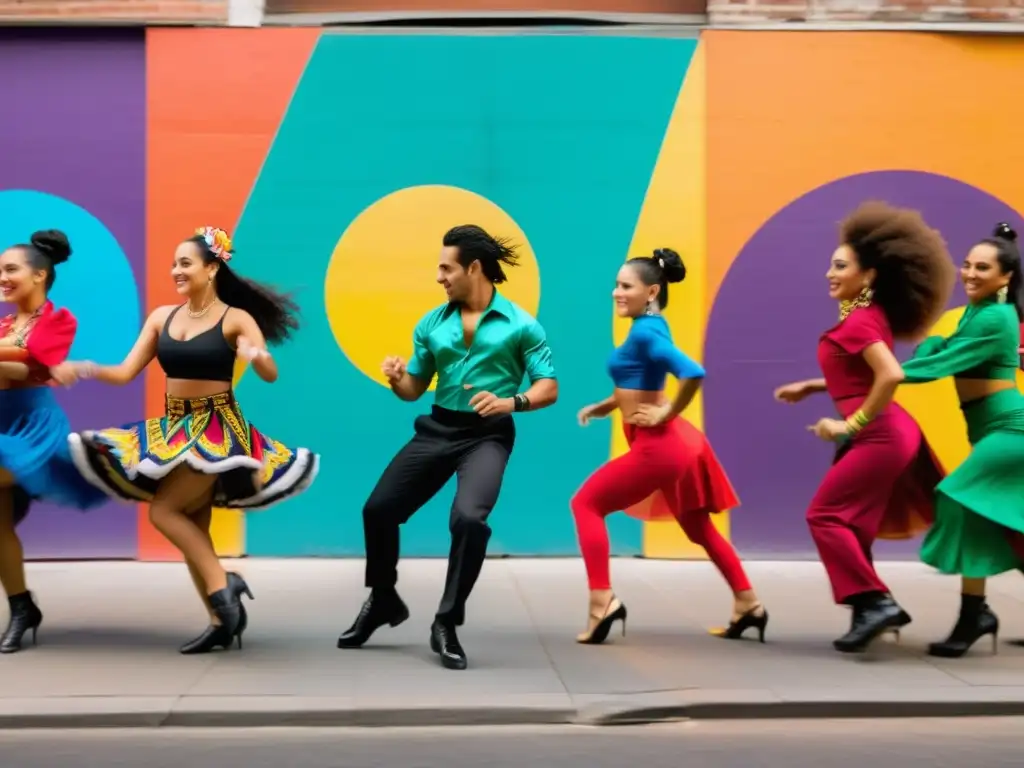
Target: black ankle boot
[25,616]
[873,615]
[975,621]
[218,636]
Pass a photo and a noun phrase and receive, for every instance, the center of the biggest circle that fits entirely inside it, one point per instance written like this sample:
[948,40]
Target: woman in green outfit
[979,515]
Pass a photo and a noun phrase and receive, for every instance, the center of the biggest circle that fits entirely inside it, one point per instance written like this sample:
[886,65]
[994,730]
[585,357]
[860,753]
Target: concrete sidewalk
[108,650]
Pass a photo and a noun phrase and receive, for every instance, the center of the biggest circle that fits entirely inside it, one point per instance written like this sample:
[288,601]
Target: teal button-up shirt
[509,344]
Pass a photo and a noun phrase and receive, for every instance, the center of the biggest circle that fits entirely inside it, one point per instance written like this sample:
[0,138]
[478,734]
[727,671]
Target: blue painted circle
[96,284]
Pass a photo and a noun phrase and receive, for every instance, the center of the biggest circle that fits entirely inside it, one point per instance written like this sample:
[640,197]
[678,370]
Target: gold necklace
[21,334]
[199,313]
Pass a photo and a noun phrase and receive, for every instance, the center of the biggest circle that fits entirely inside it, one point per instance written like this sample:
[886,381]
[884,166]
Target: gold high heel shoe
[614,611]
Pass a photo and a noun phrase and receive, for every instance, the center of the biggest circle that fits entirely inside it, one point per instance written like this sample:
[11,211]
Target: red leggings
[656,459]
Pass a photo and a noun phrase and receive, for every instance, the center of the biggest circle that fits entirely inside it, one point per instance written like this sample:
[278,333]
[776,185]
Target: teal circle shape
[96,284]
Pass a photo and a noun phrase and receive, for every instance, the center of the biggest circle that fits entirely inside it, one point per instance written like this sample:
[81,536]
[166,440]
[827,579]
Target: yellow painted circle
[383,273]
[936,408]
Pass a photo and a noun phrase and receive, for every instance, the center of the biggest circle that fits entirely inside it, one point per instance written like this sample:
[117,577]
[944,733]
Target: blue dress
[33,427]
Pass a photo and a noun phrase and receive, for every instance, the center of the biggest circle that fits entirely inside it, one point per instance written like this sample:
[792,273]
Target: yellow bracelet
[857,421]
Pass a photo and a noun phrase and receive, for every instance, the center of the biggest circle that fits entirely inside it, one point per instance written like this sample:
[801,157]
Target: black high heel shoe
[234,619]
[975,621]
[750,619]
[25,616]
[614,611]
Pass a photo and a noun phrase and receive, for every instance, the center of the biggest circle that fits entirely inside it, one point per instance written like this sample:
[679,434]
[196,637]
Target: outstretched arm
[976,341]
[140,356]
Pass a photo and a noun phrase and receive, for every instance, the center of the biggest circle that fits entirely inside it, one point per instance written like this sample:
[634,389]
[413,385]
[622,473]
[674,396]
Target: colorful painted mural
[338,161]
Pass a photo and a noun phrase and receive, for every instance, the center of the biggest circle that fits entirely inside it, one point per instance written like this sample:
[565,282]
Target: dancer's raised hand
[393,368]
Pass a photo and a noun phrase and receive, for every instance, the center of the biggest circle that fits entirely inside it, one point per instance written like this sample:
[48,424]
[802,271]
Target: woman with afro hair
[892,276]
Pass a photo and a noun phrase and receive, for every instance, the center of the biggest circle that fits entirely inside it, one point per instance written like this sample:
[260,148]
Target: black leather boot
[381,607]
[227,605]
[873,615]
[25,616]
[975,621]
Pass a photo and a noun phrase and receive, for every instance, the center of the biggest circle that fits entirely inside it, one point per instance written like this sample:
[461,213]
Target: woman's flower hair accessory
[218,241]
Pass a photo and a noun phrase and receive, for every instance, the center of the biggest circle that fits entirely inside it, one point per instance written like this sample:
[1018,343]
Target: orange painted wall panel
[215,99]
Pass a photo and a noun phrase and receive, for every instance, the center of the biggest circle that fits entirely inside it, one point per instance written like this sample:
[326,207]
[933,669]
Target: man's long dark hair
[475,244]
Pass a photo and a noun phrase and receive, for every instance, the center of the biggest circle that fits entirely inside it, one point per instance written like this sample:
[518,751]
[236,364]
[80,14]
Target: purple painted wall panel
[764,330]
[74,106]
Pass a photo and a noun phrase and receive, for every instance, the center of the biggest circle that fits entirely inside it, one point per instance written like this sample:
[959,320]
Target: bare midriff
[188,389]
[975,389]
[628,400]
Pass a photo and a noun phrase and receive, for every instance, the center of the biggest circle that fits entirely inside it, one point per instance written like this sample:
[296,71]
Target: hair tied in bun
[1005,232]
[53,243]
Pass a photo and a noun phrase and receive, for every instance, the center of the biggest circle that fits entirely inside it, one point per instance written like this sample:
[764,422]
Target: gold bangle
[853,426]
[861,418]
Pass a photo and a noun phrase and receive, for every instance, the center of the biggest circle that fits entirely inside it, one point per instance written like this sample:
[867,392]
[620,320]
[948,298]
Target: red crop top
[840,355]
[47,344]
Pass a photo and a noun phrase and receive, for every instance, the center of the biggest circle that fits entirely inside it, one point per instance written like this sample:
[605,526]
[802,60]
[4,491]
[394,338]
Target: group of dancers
[891,275]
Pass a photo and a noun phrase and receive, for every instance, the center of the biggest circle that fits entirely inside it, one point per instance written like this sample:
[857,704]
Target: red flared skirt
[701,486]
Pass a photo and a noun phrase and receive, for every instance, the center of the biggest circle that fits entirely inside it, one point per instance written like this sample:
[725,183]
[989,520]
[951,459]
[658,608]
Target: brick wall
[117,11]
[492,6]
[823,11]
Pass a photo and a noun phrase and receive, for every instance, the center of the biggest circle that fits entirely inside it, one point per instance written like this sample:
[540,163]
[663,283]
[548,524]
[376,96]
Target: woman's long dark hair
[275,313]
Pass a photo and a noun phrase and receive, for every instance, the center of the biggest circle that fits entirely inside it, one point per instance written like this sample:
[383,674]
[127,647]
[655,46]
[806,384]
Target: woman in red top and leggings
[892,276]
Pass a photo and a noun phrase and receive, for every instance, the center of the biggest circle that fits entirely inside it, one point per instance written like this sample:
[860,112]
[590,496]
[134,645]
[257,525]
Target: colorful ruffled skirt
[207,434]
[34,450]
[980,504]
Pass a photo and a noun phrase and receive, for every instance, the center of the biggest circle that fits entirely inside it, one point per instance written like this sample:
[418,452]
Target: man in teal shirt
[480,346]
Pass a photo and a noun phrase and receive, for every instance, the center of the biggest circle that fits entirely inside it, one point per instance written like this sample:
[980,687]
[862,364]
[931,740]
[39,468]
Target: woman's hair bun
[1005,232]
[671,264]
[53,243]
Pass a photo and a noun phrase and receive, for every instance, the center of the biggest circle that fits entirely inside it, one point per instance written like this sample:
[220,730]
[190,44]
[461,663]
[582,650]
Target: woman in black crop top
[202,453]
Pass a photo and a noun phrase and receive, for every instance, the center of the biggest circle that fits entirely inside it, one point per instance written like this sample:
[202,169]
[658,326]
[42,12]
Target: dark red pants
[656,460]
[876,483]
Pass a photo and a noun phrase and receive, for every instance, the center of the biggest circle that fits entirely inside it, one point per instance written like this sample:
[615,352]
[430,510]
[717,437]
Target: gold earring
[1002,293]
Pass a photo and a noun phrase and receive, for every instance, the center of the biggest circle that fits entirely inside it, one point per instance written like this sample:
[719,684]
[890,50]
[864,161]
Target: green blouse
[983,346]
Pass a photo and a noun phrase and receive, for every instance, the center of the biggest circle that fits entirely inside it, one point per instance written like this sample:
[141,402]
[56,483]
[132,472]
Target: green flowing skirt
[984,496]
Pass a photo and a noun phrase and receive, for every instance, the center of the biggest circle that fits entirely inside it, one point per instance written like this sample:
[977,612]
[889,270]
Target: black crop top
[206,357]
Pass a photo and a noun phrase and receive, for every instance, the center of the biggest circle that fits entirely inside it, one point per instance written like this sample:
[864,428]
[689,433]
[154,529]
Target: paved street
[107,653]
[980,743]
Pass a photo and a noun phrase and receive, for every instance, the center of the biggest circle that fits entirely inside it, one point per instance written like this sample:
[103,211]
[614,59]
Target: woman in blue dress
[34,459]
